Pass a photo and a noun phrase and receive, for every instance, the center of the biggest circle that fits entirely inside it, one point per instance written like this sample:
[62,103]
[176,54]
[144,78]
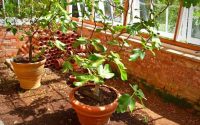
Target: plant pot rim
[34,63]
[76,102]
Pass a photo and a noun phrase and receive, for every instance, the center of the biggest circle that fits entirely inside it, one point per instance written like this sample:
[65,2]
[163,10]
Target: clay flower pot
[29,74]
[93,115]
[58,63]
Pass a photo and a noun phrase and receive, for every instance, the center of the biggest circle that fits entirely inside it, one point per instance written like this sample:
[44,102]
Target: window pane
[189,29]
[144,9]
[1,4]
[107,8]
[11,6]
[167,20]
[75,11]
[195,32]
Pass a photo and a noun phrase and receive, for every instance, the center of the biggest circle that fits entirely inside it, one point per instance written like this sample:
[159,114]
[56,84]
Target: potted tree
[30,20]
[93,101]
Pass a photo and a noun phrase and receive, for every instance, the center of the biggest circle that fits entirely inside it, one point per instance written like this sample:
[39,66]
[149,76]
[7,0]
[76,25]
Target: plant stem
[95,25]
[96,89]
[30,48]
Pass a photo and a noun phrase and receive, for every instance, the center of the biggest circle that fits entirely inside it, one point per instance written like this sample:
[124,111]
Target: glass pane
[167,20]
[11,6]
[75,11]
[111,12]
[144,9]
[107,9]
[195,33]
[1,4]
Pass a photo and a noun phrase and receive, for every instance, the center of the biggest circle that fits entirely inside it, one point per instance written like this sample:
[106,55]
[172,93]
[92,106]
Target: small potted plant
[31,20]
[93,101]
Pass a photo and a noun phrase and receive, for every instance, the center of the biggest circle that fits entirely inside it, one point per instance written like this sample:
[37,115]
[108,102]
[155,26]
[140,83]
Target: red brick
[11,52]
[2,53]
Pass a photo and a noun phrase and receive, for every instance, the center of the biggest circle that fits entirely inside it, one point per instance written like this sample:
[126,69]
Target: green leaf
[119,28]
[105,71]
[98,46]
[84,78]
[80,61]
[80,41]
[142,55]
[131,104]
[79,83]
[134,57]
[126,44]
[98,30]
[14,30]
[113,42]
[63,28]
[116,59]
[21,37]
[67,66]
[137,53]
[125,101]
[38,55]
[156,42]
[138,92]
[96,60]
[60,45]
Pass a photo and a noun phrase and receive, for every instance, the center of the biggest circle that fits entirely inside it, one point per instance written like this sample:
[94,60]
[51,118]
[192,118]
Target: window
[190,25]
[11,5]
[108,10]
[167,20]
[173,25]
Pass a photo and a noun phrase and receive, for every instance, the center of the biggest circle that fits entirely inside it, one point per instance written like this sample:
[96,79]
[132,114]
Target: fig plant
[99,55]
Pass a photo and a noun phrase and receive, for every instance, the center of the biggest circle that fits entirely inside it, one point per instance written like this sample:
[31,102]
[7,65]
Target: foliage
[128,101]
[189,3]
[31,16]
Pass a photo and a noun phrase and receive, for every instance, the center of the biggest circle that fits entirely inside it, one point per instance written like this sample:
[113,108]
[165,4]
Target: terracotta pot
[58,63]
[29,74]
[92,115]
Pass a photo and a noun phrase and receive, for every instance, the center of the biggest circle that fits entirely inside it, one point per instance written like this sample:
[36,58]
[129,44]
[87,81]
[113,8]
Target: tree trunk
[30,49]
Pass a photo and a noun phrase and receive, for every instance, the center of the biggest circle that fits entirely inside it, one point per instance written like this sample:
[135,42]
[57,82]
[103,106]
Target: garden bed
[49,104]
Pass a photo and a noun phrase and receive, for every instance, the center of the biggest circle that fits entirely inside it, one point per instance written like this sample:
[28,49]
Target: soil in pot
[21,59]
[85,95]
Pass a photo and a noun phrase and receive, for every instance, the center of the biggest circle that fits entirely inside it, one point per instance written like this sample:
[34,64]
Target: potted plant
[31,20]
[93,101]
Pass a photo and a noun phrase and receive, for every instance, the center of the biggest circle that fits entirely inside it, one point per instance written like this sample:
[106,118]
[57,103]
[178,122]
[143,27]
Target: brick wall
[176,74]
[9,44]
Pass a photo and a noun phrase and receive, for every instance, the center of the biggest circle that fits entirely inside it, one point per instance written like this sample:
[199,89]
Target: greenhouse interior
[99,62]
